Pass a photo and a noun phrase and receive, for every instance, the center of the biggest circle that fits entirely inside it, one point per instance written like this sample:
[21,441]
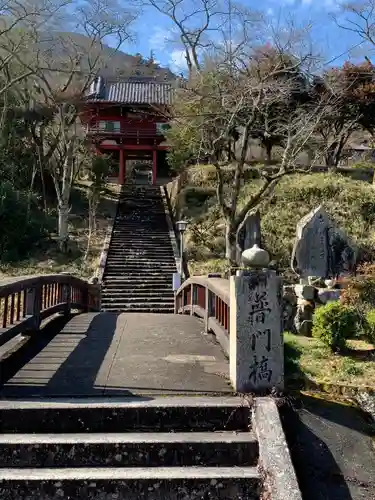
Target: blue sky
[154,31]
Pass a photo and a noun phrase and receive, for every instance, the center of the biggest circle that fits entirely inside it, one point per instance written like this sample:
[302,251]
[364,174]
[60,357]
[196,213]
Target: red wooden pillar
[121,177]
[154,165]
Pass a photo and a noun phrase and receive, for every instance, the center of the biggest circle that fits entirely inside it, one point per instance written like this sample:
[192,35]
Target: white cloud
[158,39]
[177,60]
[161,42]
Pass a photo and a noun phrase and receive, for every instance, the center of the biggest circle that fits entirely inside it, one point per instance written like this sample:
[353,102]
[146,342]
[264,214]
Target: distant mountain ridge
[115,65]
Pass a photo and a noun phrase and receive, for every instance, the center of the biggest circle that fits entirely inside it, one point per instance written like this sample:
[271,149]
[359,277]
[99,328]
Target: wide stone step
[145,238]
[138,263]
[159,414]
[127,300]
[111,288]
[145,233]
[120,247]
[138,281]
[145,242]
[144,276]
[159,483]
[134,297]
[140,250]
[141,244]
[141,225]
[130,255]
[138,310]
[125,306]
[133,219]
[140,247]
[131,289]
[141,199]
[143,217]
[132,247]
[146,214]
[164,278]
[127,254]
[137,266]
[141,222]
[125,286]
[130,449]
[140,272]
[139,292]
[133,257]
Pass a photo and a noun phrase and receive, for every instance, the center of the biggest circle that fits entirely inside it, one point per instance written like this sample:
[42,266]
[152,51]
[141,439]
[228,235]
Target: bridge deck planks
[99,354]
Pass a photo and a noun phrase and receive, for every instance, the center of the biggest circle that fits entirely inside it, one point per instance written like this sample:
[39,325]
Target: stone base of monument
[300,302]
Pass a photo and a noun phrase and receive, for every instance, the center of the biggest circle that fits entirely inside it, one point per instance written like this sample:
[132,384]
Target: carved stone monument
[322,249]
[256,327]
[248,234]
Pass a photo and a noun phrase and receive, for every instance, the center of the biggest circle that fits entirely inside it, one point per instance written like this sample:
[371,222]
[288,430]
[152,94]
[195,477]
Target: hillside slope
[113,63]
[351,203]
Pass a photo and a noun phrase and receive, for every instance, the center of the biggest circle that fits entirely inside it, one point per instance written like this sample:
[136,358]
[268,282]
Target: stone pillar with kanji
[256,349]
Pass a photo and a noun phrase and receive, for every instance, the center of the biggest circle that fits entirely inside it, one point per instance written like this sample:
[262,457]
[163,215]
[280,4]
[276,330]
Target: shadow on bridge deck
[109,354]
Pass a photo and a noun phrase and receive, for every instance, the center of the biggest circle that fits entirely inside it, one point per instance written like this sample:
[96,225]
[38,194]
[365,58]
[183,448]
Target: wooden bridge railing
[26,301]
[207,298]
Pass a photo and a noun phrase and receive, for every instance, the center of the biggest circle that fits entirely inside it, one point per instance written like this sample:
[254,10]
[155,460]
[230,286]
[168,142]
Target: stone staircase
[164,448]
[140,262]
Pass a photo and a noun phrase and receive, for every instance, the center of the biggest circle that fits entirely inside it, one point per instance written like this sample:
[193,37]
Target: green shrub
[197,196]
[369,329]
[363,165]
[333,323]
[23,225]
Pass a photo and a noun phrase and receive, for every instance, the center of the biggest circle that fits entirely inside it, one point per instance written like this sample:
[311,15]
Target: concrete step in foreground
[159,483]
[162,448]
[143,449]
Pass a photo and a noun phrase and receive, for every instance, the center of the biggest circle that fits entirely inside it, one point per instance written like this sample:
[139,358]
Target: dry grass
[203,267]
[308,358]
[51,260]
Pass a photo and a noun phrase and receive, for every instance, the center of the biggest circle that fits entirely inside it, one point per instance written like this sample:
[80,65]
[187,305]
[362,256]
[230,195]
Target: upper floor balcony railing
[125,130]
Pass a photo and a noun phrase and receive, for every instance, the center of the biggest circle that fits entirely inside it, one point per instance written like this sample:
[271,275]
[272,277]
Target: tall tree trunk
[63,205]
[267,144]
[31,187]
[63,226]
[330,159]
[230,245]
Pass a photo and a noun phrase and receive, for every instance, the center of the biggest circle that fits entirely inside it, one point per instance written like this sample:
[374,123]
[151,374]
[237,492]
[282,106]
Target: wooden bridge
[54,341]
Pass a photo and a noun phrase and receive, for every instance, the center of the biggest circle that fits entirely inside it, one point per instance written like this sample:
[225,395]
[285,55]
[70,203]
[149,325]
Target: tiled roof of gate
[135,92]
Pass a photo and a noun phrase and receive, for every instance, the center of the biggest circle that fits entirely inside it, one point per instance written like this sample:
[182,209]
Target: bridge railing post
[33,306]
[209,309]
[67,295]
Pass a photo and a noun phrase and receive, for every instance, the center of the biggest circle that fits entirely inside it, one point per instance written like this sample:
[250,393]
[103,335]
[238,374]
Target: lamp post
[181,226]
